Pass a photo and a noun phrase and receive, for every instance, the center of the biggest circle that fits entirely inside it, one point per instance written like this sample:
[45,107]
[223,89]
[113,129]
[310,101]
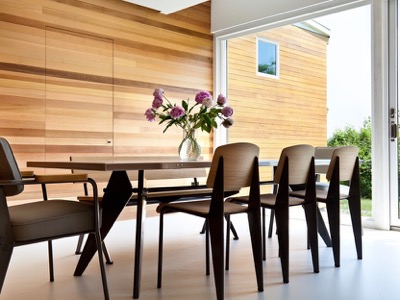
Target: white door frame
[393,102]
[381,172]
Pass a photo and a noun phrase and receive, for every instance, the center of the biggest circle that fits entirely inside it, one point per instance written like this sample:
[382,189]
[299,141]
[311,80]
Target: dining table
[119,191]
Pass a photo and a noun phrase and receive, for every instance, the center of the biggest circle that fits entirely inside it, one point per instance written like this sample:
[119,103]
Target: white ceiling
[166,6]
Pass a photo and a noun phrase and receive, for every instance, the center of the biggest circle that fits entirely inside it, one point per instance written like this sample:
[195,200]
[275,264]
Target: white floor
[377,276]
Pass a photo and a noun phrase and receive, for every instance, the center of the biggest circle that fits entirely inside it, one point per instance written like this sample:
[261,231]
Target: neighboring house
[286,107]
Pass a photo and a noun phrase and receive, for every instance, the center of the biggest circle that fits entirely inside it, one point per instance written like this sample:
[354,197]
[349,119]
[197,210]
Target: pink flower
[227,111]
[158,93]
[221,100]
[200,96]
[150,116]
[157,102]
[177,112]
[208,102]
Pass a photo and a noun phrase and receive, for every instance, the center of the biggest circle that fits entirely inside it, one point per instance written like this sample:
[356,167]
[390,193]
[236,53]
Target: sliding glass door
[393,12]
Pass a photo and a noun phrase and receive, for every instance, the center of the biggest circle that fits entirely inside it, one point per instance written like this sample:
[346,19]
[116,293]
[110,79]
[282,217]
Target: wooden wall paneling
[170,53]
[119,54]
[79,94]
[22,89]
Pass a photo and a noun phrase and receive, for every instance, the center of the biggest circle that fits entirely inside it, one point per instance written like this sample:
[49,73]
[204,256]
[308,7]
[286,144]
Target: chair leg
[228,231]
[51,264]
[5,257]
[105,250]
[233,229]
[256,241]
[217,249]
[355,213]
[99,244]
[78,249]
[107,255]
[312,233]
[264,243]
[333,210]
[323,232]
[282,226]
[203,229]
[207,231]
[235,235]
[160,250]
[271,223]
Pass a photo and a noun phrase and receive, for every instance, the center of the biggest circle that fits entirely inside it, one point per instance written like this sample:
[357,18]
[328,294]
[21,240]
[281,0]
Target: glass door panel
[394,113]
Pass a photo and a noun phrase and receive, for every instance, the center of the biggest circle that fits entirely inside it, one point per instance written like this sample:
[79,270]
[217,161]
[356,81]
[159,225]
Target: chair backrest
[9,169]
[323,153]
[347,158]
[299,157]
[238,165]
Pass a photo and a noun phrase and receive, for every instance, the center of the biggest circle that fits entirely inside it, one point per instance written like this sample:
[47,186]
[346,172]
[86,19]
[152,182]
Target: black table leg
[116,196]
[322,230]
[140,216]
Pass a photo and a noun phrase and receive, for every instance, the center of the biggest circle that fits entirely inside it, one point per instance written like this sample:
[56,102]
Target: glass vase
[189,149]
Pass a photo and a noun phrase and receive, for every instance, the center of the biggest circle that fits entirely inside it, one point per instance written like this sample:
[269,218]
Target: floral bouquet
[202,114]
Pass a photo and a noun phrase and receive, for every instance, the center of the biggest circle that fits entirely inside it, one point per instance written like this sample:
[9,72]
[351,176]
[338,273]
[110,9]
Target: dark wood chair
[343,177]
[234,166]
[40,221]
[295,167]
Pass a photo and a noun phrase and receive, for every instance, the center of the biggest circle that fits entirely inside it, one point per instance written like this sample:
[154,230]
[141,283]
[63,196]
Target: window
[267,58]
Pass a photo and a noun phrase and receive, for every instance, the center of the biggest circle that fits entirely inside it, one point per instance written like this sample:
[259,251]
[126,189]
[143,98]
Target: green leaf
[185,105]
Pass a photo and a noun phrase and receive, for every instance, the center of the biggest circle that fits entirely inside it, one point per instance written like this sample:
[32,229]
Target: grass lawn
[366,207]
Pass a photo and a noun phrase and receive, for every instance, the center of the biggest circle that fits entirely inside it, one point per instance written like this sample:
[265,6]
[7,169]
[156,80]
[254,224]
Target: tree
[362,139]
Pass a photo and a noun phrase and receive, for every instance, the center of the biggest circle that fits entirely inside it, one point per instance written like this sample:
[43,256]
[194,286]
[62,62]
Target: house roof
[314,27]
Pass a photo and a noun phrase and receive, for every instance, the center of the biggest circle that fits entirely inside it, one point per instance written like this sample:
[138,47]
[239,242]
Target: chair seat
[268,200]
[200,208]
[322,192]
[40,220]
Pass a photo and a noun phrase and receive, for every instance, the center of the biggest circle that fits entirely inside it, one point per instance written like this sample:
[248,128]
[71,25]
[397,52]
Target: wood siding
[279,112]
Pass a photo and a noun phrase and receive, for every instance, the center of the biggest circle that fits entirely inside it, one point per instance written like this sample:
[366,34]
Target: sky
[348,68]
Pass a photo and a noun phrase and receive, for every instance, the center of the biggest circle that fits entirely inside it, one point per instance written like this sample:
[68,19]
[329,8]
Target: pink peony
[158,93]
[208,102]
[177,112]
[200,96]
[157,102]
[150,116]
[221,100]
[227,111]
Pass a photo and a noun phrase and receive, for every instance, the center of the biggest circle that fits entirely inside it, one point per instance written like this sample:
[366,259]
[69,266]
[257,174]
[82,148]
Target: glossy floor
[377,276]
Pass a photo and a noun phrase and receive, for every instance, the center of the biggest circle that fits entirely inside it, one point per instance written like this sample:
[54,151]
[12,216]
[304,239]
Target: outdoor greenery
[267,68]
[361,139]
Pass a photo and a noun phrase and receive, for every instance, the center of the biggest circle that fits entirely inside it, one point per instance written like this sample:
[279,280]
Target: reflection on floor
[374,277]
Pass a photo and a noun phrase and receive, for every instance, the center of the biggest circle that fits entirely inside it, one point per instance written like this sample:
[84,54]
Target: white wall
[235,15]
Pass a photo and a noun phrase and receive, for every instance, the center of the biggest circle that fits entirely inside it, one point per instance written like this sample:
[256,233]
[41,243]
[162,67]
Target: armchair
[40,221]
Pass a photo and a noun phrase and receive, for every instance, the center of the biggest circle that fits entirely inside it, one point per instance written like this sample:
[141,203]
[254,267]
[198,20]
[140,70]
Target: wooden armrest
[88,198]
[60,178]
[27,174]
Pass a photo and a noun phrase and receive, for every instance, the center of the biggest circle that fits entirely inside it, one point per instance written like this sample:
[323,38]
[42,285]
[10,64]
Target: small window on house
[267,58]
